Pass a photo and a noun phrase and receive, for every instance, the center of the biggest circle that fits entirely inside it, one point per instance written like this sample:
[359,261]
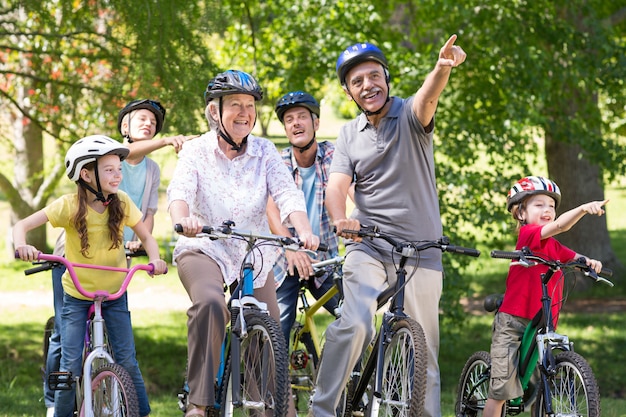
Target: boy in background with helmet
[532,202]
[93,219]
[387,152]
[308,161]
[139,122]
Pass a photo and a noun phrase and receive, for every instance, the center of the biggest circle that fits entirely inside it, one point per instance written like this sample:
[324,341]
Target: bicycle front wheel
[473,385]
[574,389]
[113,393]
[403,388]
[263,371]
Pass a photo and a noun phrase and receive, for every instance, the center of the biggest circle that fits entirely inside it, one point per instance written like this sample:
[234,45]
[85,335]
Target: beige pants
[364,279]
[207,319]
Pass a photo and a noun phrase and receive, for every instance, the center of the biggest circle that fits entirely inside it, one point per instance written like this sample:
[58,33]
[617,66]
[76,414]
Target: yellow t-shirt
[60,214]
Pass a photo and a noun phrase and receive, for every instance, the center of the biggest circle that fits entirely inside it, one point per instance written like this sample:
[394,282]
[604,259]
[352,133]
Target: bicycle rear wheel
[113,393]
[403,387]
[263,371]
[574,388]
[473,385]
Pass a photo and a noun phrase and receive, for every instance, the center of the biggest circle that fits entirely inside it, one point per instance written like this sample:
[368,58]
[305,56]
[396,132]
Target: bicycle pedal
[60,381]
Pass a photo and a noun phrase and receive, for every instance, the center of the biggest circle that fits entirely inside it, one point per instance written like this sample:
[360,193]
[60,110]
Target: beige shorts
[505,342]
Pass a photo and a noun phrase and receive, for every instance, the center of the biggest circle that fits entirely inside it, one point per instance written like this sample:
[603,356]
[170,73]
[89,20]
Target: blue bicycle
[253,378]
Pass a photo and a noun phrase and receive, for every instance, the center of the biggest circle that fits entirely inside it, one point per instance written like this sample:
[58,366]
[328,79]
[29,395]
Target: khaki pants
[364,279]
[207,319]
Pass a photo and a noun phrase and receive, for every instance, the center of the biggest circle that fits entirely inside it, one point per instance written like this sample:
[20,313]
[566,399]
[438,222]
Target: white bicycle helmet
[532,185]
[89,149]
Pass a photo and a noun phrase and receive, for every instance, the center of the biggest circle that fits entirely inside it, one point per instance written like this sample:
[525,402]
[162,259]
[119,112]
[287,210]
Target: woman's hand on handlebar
[191,226]
[309,241]
[348,224]
[26,253]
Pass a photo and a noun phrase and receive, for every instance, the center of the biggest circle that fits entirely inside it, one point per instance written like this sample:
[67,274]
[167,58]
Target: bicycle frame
[311,309]
[83,387]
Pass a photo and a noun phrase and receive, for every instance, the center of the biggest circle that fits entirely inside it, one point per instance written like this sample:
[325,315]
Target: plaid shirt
[323,159]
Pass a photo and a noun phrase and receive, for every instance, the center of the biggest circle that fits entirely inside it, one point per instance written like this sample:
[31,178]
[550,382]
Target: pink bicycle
[105,388]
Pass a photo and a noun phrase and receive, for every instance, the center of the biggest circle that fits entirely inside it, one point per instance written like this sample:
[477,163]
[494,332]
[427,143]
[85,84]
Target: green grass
[160,332]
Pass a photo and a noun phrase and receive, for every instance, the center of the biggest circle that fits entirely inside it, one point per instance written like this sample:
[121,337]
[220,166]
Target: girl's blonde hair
[115,210]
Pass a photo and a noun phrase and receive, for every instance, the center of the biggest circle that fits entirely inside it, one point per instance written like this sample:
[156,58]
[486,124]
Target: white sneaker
[50,412]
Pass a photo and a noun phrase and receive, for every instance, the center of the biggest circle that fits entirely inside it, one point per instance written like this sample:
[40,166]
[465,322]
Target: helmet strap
[374,113]
[99,194]
[221,132]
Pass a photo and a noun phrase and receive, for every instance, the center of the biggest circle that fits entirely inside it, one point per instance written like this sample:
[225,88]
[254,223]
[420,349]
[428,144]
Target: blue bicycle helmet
[232,82]
[356,54]
[296,99]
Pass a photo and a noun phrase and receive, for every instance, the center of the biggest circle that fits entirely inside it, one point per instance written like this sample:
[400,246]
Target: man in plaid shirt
[309,162]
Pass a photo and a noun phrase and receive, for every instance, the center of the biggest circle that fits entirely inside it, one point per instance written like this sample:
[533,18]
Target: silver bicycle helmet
[232,82]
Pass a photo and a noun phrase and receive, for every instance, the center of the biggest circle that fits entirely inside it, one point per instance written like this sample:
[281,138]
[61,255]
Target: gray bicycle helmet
[154,106]
[296,99]
[89,149]
[356,54]
[232,82]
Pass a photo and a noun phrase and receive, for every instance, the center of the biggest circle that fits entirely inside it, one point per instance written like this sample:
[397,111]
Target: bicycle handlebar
[443,243]
[527,258]
[46,265]
[50,261]
[226,230]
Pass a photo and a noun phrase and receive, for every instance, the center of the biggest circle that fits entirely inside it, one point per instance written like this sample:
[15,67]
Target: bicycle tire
[473,385]
[113,393]
[263,363]
[403,389]
[47,332]
[574,388]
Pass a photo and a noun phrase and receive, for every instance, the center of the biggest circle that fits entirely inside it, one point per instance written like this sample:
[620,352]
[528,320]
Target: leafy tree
[542,78]
[66,68]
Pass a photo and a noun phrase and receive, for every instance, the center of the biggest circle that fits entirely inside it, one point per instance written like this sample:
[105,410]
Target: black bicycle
[393,377]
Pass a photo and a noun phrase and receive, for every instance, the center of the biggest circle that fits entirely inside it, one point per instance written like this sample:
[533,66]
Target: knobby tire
[113,393]
[574,388]
[473,386]
[403,389]
[264,371]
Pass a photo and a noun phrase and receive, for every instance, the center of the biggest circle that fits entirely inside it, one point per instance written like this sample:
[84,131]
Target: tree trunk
[580,182]
[28,170]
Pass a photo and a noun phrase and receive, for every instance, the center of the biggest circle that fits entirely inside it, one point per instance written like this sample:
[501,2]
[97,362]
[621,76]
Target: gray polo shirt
[394,170]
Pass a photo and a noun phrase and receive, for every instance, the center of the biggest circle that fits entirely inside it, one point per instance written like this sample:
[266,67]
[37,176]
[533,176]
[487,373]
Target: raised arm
[568,219]
[427,97]
[141,148]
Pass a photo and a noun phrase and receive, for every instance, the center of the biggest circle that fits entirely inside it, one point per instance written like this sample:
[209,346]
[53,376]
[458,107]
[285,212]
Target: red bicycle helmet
[532,185]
